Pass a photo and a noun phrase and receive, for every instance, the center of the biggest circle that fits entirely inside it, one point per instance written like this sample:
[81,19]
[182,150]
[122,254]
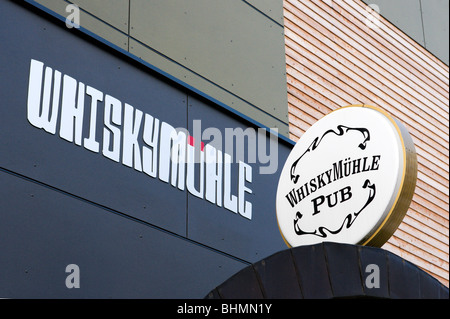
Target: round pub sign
[349,179]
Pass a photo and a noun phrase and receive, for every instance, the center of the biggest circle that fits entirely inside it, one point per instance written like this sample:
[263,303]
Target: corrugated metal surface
[338,53]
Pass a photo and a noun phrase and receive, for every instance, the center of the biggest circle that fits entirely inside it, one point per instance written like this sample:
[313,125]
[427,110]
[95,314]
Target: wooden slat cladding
[333,59]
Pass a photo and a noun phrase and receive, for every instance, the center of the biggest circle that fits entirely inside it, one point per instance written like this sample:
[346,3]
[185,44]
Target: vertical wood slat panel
[333,59]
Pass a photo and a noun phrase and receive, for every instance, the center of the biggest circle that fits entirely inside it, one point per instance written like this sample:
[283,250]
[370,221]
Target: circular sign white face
[350,179]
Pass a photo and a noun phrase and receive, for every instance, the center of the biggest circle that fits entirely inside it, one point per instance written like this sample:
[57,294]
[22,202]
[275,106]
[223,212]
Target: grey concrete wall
[230,50]
[425,21]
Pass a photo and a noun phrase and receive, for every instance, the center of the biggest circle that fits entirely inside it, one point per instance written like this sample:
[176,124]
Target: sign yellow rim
[405,191]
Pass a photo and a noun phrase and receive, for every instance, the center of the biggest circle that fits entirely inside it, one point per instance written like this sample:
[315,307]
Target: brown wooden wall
[336,57]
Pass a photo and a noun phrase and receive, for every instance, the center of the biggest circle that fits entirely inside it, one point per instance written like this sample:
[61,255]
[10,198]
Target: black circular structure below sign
[331,270]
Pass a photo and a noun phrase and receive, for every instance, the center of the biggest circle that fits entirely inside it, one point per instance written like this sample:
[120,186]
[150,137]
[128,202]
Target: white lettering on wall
[139,140]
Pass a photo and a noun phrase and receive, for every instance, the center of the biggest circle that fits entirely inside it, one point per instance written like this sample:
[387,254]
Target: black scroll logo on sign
[340,169]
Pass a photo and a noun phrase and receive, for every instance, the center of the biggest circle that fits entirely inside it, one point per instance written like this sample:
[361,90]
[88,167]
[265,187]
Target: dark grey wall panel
[43,230]
[65,203]
[248,239]
[54,161]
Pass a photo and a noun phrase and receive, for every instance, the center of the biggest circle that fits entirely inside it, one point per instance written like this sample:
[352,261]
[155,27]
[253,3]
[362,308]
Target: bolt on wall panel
[113,12]
[106,25]
[65,159]
[43,231]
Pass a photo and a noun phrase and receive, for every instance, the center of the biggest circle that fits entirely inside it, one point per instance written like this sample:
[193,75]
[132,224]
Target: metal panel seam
[171,77]
[118,213]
